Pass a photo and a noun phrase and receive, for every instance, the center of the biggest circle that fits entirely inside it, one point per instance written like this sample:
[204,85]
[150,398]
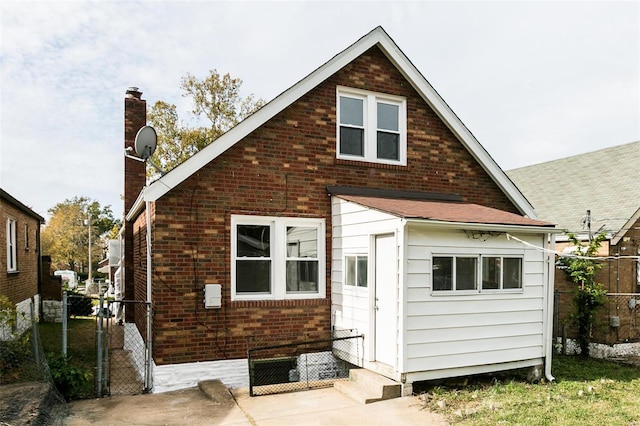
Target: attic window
[371,127]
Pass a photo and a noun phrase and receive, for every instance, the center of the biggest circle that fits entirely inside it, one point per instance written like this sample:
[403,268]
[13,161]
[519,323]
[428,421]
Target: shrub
[69,379]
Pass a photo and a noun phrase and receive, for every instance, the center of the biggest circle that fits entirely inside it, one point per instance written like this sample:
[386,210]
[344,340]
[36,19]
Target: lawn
[81,347]
[585,392]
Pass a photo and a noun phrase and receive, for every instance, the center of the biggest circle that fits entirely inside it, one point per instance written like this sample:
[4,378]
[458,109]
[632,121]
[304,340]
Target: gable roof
[6,197]
[377,37]
[606,181]
[444,211]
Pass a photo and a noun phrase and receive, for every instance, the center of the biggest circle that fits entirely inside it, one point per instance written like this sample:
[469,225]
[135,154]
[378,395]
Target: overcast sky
[533,81]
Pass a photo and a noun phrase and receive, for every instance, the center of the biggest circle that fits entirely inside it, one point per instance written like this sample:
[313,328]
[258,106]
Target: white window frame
[356,256]
[370,102]
[12,243]
[479,272]
[278,256]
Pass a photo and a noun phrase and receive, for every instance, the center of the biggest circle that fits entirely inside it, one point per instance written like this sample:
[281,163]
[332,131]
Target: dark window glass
[253,276]
[491,272]
[362,271]
[253,241]
[352,141]
[512,272]
[388,146]
[466,273]
[442,271]
[302,276]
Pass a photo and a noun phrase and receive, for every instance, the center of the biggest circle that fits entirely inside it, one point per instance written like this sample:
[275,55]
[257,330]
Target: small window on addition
[356,270]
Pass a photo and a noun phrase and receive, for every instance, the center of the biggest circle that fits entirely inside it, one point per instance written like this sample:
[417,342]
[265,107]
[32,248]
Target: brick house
[20,259]
[599,188]
[357,176]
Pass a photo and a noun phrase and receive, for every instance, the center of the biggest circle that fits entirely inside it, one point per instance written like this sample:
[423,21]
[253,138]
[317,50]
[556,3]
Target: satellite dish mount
[145,145]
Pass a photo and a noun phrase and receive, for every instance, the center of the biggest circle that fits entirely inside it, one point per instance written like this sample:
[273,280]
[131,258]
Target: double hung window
[476,273]
[12,243]
[371,127]
[277,258]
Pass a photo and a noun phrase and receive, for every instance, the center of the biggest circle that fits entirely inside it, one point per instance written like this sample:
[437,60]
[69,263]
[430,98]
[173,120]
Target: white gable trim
[376,37]
[618,236]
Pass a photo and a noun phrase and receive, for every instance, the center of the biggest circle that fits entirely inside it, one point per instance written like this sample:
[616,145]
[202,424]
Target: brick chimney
[135,117]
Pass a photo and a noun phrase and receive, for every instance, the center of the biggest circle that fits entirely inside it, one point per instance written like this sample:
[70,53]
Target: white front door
[386,299]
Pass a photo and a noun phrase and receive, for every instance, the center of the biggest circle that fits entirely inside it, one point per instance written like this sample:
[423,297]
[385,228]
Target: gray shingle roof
[606,181]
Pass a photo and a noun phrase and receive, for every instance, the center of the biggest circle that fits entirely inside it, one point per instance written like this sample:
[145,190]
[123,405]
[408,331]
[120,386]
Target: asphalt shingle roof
[606,181]
[444,211]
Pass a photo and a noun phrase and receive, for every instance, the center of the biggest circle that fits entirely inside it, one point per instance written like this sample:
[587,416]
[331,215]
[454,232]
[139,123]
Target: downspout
[149,380]
[551,238]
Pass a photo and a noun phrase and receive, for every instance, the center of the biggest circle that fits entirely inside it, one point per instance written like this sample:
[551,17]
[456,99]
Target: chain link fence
[28,395]
[617,321]
[281,364]
[125,352]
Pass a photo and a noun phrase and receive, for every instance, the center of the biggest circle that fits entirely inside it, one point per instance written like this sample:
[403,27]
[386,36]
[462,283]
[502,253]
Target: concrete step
[366,386]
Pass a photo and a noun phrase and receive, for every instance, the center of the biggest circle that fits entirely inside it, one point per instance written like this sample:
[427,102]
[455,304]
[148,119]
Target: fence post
[34,333]
[148,381]
[65,310]
[99,348]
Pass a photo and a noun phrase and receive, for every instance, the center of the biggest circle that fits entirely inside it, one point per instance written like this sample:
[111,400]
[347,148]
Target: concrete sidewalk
[212,404]
[329,406]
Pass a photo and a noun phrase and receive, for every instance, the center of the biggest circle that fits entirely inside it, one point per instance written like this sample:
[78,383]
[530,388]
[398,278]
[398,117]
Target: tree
[66,236]
[215,98]
[589,294]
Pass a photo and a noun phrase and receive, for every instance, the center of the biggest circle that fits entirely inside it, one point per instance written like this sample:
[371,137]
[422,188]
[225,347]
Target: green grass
[81,346]
[585,392]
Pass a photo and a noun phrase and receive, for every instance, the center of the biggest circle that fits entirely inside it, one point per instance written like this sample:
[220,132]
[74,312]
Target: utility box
[212,296]
[614,322]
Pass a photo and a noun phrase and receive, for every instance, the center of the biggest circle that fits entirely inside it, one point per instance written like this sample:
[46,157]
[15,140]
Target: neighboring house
[355,199]
[20,259]
[599,191]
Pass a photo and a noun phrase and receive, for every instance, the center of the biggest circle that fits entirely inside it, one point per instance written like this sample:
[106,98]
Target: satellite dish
[146,142]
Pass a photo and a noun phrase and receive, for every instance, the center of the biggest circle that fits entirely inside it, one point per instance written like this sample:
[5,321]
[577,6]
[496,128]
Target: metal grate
[316,362]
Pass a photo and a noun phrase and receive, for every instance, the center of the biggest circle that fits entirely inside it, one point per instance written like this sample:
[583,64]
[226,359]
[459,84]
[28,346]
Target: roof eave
[491,227]
[137,207]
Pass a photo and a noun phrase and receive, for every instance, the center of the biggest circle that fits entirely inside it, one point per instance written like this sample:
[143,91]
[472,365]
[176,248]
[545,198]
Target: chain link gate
[122,358]
[124,364]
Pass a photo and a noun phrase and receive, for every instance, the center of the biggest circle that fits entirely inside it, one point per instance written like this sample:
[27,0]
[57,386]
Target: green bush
[69,379]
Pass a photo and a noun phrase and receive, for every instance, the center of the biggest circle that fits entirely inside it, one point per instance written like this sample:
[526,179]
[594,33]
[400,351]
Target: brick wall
[617,275]
[23,284]
[283,169]
[135,117]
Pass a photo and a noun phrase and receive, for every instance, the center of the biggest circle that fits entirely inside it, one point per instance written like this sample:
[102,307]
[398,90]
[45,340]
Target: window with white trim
[476,273]
[277,258]
[356,270]
[26,237]
[12,258]
[372,127]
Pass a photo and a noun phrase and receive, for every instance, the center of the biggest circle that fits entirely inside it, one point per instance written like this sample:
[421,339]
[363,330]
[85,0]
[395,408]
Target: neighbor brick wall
[283,169]
[21,285]
[618,276]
